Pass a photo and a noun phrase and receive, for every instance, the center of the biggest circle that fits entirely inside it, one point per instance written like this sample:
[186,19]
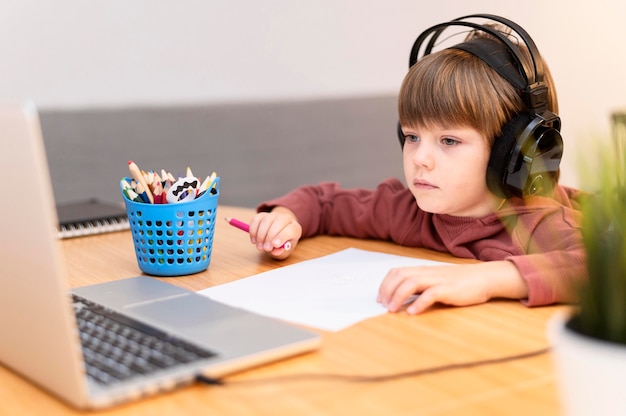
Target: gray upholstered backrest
[260,150]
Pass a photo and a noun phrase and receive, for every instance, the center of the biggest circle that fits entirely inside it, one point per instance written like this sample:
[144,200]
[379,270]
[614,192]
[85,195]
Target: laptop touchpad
[186,311]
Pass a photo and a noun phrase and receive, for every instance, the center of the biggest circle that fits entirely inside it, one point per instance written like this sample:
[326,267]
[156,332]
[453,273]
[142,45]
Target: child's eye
[411,138]
[448,141]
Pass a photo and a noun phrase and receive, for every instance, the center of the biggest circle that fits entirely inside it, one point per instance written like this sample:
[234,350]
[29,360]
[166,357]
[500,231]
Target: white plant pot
[591,374]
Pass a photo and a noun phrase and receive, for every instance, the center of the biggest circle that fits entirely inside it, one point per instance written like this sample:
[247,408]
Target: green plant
[602,312]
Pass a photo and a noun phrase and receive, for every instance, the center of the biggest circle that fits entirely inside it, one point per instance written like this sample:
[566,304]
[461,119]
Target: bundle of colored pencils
[154,188]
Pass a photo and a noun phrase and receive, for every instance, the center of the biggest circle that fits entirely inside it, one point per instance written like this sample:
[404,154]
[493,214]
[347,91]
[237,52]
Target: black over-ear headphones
[525,158]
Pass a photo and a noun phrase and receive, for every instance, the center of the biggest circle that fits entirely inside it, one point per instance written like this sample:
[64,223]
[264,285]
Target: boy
[453,108]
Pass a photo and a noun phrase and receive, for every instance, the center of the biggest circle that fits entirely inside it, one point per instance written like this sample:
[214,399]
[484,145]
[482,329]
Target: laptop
[189,335]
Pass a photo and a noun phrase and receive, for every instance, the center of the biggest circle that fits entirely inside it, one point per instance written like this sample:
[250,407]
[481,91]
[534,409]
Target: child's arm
[458,285]
[269,231]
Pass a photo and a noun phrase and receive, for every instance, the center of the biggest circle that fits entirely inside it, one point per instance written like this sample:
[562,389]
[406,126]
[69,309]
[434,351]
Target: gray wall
[259,150]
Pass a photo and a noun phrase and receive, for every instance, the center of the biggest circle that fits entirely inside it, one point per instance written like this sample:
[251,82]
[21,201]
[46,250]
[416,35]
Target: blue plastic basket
[174,239]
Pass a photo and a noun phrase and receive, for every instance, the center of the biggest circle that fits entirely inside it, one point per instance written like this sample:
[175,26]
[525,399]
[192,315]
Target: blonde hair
[452,87]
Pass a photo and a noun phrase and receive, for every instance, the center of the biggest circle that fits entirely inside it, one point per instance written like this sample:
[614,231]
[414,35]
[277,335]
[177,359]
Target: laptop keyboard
[117,348]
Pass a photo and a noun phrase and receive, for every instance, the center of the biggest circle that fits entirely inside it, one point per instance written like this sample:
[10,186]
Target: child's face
[445,170]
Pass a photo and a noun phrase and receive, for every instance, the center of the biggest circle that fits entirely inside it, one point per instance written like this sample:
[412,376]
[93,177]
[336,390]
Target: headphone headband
[530,83]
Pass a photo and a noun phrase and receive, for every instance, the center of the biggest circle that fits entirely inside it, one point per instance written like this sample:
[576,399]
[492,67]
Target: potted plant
[590,342]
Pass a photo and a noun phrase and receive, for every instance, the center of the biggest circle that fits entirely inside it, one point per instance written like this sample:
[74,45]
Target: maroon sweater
[541,236]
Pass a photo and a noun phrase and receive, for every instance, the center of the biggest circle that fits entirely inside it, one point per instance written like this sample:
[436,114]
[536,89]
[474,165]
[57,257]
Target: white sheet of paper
[330,292]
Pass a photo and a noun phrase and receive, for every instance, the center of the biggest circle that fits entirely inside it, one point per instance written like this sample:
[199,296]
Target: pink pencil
[245,227]
[239,224]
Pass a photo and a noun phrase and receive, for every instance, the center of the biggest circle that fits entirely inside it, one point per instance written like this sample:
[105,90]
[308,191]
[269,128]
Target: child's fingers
[282,231]
[397,286]
[274,232]
[260,226]
[424,301]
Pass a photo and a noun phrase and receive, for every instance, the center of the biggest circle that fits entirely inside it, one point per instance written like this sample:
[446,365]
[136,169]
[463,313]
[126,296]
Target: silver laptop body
[40,339]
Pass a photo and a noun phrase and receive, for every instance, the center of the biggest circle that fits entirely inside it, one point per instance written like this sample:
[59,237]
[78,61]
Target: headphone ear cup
[501,154]
[401,138]
[525,158]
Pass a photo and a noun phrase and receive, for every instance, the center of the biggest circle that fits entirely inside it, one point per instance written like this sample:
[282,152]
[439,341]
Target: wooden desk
[387,344]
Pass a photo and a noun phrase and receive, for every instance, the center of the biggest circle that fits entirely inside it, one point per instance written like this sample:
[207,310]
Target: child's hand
[458,285]
[270,231]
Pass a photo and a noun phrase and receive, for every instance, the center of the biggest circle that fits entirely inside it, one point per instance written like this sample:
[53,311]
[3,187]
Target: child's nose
[424,155]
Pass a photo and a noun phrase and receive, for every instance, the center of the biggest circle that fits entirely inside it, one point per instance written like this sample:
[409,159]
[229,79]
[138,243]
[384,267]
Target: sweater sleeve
[555,262]
[327,208]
